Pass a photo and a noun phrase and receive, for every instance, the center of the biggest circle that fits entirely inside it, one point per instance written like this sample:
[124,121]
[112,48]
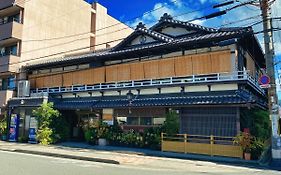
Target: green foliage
[90,136]
[45,115]
[244,140]
[152,138]
[258,122]
[102,130]
[171,125]
[3,126]
[257,148]
[44,136]
[61,129]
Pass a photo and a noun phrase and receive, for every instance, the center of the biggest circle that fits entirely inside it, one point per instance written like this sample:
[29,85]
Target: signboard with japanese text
[14,128]
[33,125]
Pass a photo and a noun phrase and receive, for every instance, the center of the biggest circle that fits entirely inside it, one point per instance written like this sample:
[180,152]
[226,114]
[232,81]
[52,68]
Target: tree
[45,114]
[171,125]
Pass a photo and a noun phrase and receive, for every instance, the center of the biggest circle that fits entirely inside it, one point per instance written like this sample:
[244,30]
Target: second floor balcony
[8,5]
[9,63]
[10,32]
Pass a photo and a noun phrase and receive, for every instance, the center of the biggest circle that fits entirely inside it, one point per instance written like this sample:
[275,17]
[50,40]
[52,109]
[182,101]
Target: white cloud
[178,9]
[203,1]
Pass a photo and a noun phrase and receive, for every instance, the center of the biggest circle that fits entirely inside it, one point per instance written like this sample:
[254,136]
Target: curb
[91,159]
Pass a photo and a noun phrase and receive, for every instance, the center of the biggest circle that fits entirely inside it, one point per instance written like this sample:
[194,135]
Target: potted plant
[3,129]
[102,133]
[245,140]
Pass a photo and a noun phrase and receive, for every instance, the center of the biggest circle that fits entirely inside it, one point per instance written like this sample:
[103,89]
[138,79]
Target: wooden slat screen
[111,73]
[67,79]
[48,81]
[201,64]
[57,80]
[137,71]
[183,66]
[221,61]
[39,82]
[151,69]
[124,72]
[178,66]
[99,75]
[88,76]
[166,68]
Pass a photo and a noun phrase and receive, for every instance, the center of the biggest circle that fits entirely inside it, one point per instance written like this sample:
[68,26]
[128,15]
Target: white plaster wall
[224,87]
[196,88]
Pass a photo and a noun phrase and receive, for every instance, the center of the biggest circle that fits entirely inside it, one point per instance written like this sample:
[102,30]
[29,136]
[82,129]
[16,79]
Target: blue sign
[32,130]
[264,80]
[14,128]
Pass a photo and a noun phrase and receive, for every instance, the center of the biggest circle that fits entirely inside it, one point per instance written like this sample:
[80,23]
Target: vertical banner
[14,128]
[32,130]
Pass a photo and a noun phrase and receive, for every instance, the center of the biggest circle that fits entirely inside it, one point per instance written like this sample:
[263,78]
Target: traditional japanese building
[207,75]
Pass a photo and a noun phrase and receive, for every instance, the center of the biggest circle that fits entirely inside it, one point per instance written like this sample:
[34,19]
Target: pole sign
[264,81]
[14,128]
[32,130]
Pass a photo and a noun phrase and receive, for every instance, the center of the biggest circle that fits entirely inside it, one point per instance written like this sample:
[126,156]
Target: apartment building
[36,30]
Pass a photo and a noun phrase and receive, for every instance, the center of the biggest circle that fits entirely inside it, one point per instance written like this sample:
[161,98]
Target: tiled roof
[191,40]
[207,98]
[168,19]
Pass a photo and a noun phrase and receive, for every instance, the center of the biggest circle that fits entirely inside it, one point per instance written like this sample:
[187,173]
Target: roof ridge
[156,34]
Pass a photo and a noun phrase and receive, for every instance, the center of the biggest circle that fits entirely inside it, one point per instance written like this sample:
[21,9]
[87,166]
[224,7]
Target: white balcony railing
[194,79]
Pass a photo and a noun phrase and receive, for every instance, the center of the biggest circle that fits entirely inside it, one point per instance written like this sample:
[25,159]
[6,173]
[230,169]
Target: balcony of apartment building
[8,6]
[7,87]
[9,59]
[11,29]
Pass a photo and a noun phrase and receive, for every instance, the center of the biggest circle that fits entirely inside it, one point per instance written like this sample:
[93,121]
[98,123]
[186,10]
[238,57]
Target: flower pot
[102,142]
[247,156]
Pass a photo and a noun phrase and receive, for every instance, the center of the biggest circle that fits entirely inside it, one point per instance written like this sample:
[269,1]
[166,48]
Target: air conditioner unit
[23,88]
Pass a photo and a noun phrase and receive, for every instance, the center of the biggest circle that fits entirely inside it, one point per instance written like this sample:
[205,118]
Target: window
[145,121]
[132,121]
[11,83]
[7,83]
[10,50]
[8,19]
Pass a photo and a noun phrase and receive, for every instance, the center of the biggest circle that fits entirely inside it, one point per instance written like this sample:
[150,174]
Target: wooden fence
[199,144]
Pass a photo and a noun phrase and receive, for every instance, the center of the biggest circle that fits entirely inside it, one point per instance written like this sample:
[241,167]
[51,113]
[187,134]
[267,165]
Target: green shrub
[171,124]
[44,136]
[152,138]
[3,126]
[45,115]
[61,129]
[257,148]
[90,136]
[258,122]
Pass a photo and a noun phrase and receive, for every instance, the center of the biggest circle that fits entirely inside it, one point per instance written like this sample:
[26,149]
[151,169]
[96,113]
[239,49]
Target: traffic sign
[264,80]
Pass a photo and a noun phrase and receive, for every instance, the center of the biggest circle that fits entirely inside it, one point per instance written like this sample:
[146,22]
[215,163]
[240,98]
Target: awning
[167,100]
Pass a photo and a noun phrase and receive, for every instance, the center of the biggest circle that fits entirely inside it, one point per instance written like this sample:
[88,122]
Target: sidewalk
[112,154]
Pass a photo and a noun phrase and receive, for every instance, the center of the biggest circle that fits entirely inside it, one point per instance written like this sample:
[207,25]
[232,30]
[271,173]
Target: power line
[87,46]
[145,13]
[116,30]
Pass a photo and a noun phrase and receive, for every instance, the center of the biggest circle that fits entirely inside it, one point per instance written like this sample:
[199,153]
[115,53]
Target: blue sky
[125,10]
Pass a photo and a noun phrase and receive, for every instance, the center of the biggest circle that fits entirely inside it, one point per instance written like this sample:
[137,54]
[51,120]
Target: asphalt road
[25,164]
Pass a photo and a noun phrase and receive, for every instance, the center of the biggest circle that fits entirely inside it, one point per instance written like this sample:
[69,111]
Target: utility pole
[272,95]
